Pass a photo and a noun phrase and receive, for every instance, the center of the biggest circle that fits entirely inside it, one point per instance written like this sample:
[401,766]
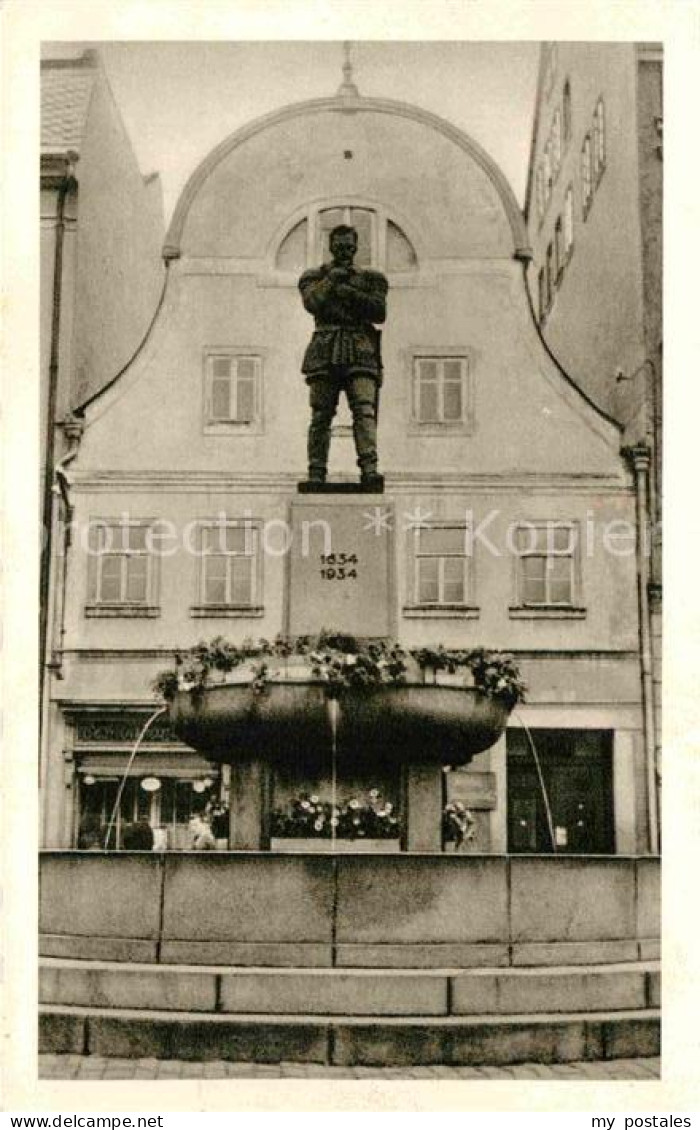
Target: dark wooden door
[577,770]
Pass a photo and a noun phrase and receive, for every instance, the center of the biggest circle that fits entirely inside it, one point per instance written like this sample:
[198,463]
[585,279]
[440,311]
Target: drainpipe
[639,458]
[56,596]
[73,430]
[68,182]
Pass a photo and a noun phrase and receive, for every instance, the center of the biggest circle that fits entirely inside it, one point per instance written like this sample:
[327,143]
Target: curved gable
[449,187]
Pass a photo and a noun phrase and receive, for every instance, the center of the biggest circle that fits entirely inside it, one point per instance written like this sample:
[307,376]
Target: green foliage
[340,662]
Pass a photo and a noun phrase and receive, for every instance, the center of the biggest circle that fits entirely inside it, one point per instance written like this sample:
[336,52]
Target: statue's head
[343,244]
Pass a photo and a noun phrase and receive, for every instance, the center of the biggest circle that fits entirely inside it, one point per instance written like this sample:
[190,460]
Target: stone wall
[412,910]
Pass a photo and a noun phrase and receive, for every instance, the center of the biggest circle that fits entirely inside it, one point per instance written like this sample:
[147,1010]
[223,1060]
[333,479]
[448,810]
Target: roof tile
[65,96]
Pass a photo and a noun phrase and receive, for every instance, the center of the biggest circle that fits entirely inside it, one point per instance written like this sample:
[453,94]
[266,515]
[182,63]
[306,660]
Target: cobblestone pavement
[99,1067]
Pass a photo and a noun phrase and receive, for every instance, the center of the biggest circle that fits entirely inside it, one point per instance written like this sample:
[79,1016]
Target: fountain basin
[289,722]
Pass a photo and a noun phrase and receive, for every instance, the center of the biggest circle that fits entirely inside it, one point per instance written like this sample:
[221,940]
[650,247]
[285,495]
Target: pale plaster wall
[596,323]
[527,417]
[260,183]
[120,230]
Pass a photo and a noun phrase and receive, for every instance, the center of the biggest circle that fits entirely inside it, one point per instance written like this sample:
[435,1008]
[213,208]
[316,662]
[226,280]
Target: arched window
[291,253]
[566,107]
[400,255]
[381,242]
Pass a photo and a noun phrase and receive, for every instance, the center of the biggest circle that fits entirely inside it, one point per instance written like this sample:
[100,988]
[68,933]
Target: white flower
[314,799]
[388,808]
[374,793]
[318,824]
[354,803]
[350,660]
[334,822]
[305,805]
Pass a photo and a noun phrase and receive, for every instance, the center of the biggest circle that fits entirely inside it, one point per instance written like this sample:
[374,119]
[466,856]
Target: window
[441,567]
[229,581]
[381,242]
[548,176]
[566,107]
[166,803]
[598,140]
[233,390]
[559,256]
[291,254]
[541,198]
[542,294]
[556,143]
[362,219]
[440,390]
[546,562]
[551,278]
[569,222]
[121,569]
[400,255]
[586,175]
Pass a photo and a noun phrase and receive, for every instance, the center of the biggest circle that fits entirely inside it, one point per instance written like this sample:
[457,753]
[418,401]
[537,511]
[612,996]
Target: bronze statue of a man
[344,353]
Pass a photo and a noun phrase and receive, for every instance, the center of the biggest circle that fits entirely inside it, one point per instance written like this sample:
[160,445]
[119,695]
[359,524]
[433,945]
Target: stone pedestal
[250,806]
[423,807]
[340,565]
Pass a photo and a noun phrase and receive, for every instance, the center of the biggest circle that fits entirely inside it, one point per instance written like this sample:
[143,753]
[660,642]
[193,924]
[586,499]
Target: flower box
[322,845]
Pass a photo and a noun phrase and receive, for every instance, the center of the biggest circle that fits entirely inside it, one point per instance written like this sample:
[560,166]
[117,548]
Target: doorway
[577,771]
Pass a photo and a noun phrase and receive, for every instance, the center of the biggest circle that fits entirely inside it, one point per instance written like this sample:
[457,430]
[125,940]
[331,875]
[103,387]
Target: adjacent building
[101,269]
[504,479]
[594,218]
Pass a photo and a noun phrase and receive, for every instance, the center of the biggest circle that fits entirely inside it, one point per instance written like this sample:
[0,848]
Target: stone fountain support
[415,728]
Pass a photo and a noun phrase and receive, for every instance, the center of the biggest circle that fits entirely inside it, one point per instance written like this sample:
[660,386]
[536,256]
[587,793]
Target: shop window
[576,769]
[229,580]
[232,391]
[546,556]
[165,804]
[440,390]
[440,567]
[122,569]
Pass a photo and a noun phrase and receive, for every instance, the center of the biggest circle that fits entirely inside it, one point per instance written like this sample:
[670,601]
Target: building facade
[503,483]
[594,215]
[101,271]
